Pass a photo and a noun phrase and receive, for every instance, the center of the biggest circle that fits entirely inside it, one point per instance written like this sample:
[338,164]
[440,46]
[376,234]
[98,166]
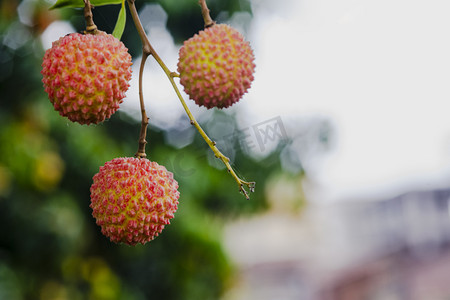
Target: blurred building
[394,249]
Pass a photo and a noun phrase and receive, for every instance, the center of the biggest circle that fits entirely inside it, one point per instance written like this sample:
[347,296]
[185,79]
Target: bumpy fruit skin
[86,76]
[133,199]
[216,66]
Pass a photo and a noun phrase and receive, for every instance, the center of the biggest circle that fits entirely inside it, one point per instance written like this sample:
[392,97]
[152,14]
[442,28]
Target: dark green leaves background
[50,246]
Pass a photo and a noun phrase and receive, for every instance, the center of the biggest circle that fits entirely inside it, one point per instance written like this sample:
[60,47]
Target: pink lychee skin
[86,76]
[132,199]
[216,66]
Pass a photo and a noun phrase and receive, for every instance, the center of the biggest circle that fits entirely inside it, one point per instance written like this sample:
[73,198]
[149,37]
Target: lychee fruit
[86,76]
[216,66]
[133,199]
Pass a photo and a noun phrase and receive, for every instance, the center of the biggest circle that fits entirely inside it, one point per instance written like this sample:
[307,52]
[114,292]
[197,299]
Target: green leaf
[120,24]
[80,3]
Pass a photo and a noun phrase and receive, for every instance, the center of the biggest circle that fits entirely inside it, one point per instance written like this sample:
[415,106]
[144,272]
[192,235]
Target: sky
[378,71]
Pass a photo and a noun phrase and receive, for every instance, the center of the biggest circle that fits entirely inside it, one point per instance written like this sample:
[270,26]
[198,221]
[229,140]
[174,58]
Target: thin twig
[205,13]
[149,50]
[146,51]
[90,25]
[144,123]
[146,46]
[226,161]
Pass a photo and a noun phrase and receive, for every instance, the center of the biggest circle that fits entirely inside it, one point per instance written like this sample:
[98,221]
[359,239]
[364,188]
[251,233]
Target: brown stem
[144,123]
[146,47]
[90,26]
[147,51]
[205,13]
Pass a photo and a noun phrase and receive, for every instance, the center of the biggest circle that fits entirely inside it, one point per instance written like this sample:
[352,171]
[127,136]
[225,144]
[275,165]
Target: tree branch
[149,50]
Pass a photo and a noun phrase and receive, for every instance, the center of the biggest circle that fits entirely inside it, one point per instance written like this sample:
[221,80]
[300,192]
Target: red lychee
[86,76]
[216,66]
[133,199]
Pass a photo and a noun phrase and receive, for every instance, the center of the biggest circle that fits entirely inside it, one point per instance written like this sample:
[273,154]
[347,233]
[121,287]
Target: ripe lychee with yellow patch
[133,199]
[216,66]
[86,76]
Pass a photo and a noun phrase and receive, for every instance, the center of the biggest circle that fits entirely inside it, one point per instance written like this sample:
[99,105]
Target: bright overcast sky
[378,70]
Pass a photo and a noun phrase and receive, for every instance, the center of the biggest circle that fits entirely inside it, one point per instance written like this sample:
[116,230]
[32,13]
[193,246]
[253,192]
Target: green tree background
[50,246]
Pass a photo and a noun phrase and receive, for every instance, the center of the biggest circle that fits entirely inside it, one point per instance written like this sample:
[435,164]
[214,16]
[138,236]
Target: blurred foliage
[184,18]
[50,246]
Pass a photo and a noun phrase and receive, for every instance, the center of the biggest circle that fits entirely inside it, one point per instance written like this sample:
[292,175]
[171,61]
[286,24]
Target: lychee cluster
[216,66]
[133,199]
[86,76]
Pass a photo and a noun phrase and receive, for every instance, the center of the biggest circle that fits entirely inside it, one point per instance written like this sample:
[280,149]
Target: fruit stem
[146,52]
[149,50]
[91,28]
[205,13]
[144,123]
[211,144]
